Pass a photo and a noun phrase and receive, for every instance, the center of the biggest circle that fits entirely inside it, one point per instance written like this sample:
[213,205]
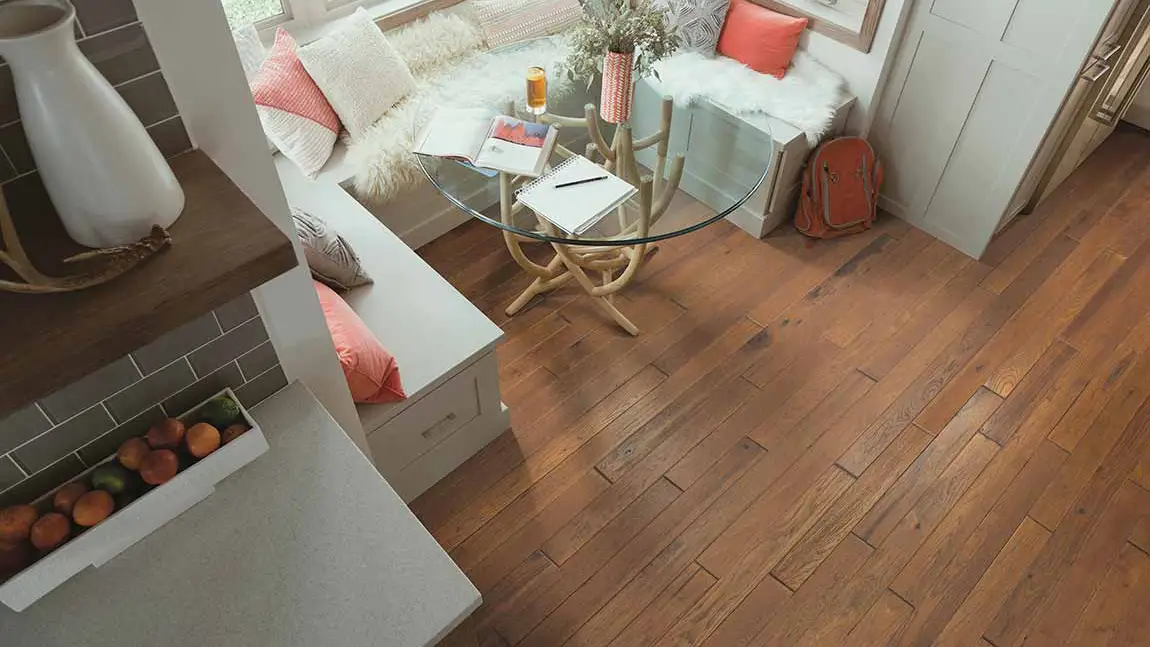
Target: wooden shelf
[222,246]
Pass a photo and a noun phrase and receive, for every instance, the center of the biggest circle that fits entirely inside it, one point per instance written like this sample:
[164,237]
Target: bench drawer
[426,423]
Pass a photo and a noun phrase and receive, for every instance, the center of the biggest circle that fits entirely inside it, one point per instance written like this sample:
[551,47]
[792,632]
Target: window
[848,21]
[242,13]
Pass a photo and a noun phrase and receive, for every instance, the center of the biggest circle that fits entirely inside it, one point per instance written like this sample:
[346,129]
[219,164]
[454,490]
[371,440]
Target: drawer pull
[439,427]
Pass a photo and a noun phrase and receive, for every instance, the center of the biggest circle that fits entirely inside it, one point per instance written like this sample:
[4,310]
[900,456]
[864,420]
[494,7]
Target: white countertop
[306,546]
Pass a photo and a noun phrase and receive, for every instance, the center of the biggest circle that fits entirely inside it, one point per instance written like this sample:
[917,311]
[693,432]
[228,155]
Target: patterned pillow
[359,72]
[698,22]
[295,115]
[329,256]
[510,21]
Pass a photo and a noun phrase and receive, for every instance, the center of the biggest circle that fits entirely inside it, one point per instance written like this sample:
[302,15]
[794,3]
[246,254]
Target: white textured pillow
[359,71]
[510,21]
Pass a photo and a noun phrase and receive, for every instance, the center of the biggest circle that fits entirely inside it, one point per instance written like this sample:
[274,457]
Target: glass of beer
[536,90]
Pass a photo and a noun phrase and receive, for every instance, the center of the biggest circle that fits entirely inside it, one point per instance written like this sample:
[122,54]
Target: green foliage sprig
[616,26]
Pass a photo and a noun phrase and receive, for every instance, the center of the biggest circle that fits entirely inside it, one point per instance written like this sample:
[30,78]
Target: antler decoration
[109,262]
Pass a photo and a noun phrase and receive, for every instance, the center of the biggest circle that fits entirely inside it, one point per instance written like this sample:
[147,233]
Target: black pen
[590,179]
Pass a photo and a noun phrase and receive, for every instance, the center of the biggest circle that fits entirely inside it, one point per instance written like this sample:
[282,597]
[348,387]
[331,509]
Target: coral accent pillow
[759,38]
[371,371]
[295,115]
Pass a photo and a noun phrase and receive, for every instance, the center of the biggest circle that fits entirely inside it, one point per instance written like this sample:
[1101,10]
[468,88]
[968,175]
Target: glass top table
[650,151]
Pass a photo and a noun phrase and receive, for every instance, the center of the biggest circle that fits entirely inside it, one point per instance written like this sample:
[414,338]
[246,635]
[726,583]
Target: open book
[487,140]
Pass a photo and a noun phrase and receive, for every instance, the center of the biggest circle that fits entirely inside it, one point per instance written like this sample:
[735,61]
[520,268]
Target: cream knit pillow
[359,71]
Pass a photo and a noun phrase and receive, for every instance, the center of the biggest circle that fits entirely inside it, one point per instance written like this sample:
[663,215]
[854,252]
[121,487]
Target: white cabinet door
[974,87]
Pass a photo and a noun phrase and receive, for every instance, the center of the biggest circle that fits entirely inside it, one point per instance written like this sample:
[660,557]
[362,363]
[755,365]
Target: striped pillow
[295,115]
[329,256]
[510,21]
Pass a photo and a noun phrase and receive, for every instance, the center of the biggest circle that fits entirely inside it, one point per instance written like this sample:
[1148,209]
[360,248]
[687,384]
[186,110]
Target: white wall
[864,72]
[199,60]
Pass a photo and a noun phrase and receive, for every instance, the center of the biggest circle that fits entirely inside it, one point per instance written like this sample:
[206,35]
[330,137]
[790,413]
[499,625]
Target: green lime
[111,478]
[220,412]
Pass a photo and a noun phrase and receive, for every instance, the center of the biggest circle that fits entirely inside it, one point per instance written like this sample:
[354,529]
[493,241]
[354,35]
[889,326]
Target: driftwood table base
[614,266]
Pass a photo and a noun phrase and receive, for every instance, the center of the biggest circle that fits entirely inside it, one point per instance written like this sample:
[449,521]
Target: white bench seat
[444,345]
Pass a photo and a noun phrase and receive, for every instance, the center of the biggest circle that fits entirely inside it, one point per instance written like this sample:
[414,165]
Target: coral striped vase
[618,87]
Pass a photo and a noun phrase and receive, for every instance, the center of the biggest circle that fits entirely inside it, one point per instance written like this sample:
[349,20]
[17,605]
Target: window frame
[307,20]
[861,38]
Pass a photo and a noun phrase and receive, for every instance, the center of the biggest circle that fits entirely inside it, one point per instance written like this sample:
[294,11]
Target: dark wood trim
[861,40]
[222,247]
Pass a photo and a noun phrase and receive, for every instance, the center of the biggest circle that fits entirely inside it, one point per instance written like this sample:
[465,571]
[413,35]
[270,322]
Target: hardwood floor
[868,441]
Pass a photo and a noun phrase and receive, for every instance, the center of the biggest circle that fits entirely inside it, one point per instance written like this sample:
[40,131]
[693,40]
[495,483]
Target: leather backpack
[840,189]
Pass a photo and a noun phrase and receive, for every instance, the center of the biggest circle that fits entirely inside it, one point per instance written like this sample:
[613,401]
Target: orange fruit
[132,452]
[203,439]
[92,508]
[232,432]
[159,467]
[66,497]
[50,531]
[14,557]
[167,434]
[16,523]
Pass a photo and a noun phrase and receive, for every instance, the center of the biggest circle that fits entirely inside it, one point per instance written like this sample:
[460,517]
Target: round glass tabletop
[660,156]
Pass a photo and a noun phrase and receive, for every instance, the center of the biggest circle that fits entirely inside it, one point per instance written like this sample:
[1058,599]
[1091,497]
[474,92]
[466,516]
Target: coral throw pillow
[371,371]
[759,38]
[296,117]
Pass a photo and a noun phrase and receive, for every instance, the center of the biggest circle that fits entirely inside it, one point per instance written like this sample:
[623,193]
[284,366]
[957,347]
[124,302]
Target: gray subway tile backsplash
[149,97]
[262,386]
[22,426]
[66,438]
[171,137]
[121,54]
[97,16]
[85,434]
[258,360]
[236,311]
[88,390]
[227,377]
[150,390]
[177,343]
[234,343]
[9,474]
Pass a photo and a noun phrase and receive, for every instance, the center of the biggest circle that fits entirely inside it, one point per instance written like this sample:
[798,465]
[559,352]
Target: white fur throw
[385,166]
[436,42]
[805,98]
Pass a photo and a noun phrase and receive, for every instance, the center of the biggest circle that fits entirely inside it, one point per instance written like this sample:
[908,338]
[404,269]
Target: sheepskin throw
[511,21]
[359,71]
[698,22]
[435,42]
[805,98]
[382,158]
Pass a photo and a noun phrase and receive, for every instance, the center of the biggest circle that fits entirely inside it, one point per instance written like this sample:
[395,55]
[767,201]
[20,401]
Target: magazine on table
[486,140]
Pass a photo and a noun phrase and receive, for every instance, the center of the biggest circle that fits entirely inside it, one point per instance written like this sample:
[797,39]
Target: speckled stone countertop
[306,546]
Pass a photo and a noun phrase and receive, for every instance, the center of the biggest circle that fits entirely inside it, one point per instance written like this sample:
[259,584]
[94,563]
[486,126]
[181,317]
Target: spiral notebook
[575,209]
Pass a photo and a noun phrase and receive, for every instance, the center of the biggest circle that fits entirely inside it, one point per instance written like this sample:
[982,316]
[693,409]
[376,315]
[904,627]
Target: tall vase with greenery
[621,39]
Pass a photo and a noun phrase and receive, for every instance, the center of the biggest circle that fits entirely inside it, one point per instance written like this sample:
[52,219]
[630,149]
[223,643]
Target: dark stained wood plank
[657,618]
[994,586]
[794,569]
[1114,600]
[222,246]
[672,551]
[1029,596]
[858,338]
[883,623]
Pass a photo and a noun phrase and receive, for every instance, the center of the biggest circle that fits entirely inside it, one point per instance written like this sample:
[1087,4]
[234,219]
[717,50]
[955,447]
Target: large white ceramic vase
[108,181]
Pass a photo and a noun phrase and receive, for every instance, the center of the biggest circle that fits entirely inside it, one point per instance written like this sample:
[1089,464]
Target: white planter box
[128,525]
